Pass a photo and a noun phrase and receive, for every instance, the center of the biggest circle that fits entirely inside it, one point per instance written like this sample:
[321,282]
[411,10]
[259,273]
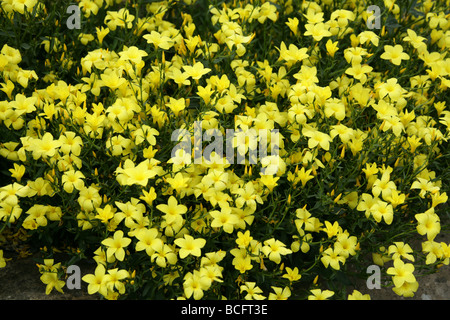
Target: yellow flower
[17,172]
[195,283]
[381,258]
[132,174]
[293,54]
[305,220]
[424,186]
[172,209]
[190,246]
[370,36]
[244,239]
[204,92]
[354,55]
[241,261]
[85,38]
[94,124]
[224,219]
[89,198]
[180,183]
[20,5]
[332,229]
[114,280]
[382,210]
[401,250]
[132,212]
[248,196]
[49,266]
[148,240]
[196,71]
[293,25]
[23,104]
[415,40]
[46,146]
[216,178]
[101,33]
[394,54]
[292,274]
[390,88]
[267,11]
[105,214]
[279,293]
[11,54]
[97,281]
[438,198]
[164,254]
[14,118]
[133,54]
[359,71]
[180,159]
[176,105]
[121,18]
[2,260]
[253,291]
[112,79]
[52,282]
[318,294]
[335,107]
[332,47]
[180,78]
[401,272]
[212,258]
[434,249]
[428,224]
[116,245]
[72,179]
[407,289]
[331,257]
[317,138]
[238,41]
[435,20]
[159,40]
[396,198]
[40,187]
[145,132]
[118,145]
[274,249]
[356,295]
[172,227]
[383,186]
[89,7]
[8,86]
[313,17]
[148,196]
[317,31]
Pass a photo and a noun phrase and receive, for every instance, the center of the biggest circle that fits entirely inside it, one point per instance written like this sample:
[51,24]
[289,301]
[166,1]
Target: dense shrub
[91,121]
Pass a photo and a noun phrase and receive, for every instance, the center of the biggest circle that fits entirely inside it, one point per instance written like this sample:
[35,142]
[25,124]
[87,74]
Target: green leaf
[26,46]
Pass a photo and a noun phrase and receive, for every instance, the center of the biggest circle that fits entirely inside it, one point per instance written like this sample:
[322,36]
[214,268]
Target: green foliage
[87,118]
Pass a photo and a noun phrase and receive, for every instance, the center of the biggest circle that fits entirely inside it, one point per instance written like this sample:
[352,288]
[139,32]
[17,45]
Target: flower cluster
[87,120]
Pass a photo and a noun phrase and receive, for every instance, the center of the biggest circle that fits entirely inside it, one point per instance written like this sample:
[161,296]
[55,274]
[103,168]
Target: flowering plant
[359,169]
